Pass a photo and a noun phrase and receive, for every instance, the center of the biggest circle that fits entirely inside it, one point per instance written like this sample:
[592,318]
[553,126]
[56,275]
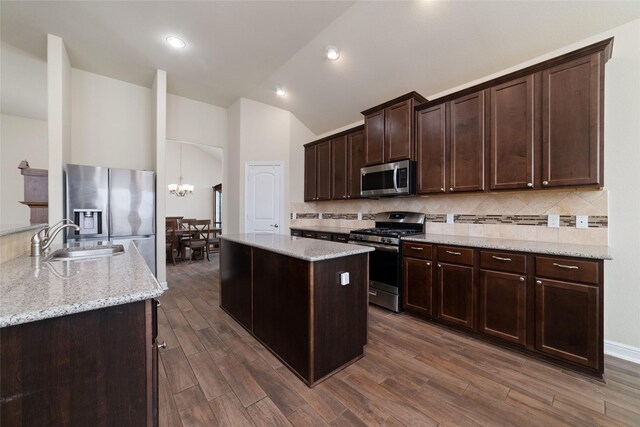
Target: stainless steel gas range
[385,263]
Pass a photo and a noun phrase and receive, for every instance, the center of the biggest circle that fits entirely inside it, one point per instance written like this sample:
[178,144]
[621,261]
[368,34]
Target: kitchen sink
[81,252]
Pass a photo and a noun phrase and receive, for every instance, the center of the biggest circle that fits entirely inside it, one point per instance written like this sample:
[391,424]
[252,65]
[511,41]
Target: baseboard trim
[164,285]
[622,351]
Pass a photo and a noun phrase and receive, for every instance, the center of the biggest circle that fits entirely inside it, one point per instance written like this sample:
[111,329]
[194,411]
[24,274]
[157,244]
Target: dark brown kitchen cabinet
[388,130]
[467,140]
[417,284]
[572,114]
[355,142]
[90,368]
[502,305]
[568,321]
[339,164]
[514,133]
[235,281]
[310,168]
[432,147]
[455,293]
[340,237]
[323,171]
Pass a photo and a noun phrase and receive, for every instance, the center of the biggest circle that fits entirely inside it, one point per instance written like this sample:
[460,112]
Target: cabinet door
[572,114]
[339,178]
[432,149]
[467,135]
[323,171]
[567,321]
[356,162]
[374,138]
[398,132]
[235,281]
[417,285]
[502,305]
[310,193]
[512,134]
[455,294]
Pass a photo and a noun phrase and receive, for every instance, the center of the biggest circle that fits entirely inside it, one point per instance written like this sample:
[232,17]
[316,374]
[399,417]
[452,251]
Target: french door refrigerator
[116,205]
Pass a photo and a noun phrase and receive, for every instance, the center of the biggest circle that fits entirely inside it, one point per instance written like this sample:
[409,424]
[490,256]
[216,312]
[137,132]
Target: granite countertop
[563,249]
[323,229]
[298,247]
[33,289]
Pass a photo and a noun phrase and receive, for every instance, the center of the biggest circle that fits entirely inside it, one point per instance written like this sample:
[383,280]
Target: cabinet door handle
[530,184]
[163,345]
[569,267]
[538,282]
[521,279]
[453,253]
[450,188]
[374,293]
[158,303]
[439,265]
[415,248]
[441,188]
[545,182]
[499,258]
[428,264]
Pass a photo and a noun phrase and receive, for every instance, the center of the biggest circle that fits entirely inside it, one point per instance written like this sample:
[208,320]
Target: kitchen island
[305,300]
[77,344]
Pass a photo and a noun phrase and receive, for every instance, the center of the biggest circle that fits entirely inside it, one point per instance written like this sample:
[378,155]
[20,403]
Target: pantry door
[263,197]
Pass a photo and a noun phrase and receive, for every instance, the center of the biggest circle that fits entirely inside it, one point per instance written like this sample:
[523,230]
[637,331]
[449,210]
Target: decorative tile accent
[308,216]
[350,216]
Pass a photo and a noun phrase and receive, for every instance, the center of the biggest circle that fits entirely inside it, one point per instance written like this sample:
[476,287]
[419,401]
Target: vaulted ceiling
[247,48]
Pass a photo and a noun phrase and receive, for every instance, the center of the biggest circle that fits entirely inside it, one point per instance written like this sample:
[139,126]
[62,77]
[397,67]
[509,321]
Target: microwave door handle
[395,178]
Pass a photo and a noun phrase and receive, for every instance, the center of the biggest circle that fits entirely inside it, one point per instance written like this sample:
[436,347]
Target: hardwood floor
[213,373]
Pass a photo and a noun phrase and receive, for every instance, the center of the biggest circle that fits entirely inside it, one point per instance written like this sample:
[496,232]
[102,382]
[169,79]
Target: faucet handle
[57,224]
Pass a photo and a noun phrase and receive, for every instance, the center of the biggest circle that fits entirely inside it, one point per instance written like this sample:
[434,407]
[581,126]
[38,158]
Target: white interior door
[263,201]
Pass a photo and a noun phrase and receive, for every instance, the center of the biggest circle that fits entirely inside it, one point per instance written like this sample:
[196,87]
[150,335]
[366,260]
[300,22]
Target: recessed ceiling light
[280,91]
[332,53]
[176,42]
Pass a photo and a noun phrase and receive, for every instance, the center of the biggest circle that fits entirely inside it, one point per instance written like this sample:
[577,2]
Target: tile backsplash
[515,215]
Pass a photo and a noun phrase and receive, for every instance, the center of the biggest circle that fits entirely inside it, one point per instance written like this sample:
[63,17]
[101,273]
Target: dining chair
[172,242]
[198,237]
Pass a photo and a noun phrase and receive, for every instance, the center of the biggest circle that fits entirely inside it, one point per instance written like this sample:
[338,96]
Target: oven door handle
[395,249]
[395,178]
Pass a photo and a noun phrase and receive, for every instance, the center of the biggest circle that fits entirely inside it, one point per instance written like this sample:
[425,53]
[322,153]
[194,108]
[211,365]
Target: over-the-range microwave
[389,179]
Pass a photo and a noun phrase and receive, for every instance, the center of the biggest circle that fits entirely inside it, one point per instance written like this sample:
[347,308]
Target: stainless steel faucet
[41,241]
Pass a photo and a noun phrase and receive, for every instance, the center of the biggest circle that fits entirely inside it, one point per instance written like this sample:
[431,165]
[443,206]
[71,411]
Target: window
[217,206]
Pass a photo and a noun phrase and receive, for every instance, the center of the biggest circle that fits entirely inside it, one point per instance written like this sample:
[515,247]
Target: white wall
[20,139]
[231,189]
[111,122]
[194,121]
[199,169]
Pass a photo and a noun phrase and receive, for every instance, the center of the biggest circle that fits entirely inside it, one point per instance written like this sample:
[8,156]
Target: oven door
[384,275]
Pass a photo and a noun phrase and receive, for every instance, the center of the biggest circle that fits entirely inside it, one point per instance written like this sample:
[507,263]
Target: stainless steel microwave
[389,179]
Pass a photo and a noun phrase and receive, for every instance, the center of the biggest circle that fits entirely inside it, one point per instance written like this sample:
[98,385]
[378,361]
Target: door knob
[274,225]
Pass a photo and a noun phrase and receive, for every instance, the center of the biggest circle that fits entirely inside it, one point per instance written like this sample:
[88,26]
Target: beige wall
[110,122]
[194,121]
[232,171]
[20,139]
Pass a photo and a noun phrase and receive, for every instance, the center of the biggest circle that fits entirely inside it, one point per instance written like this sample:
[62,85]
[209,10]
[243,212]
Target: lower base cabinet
[548,306]
[92,368]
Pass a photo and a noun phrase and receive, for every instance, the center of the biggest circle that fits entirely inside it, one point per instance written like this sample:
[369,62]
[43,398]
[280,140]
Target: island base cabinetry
[547,306]
[298,309]
[92,368]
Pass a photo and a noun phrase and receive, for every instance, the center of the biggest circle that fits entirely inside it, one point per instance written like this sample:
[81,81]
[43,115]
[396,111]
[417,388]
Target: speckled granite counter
[563,249]
[324,229]
[298,247]
[33,289]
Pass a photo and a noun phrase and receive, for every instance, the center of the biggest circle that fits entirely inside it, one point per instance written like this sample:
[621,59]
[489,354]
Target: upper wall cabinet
[388,130]
[543,127]
[332,166]
[572,114]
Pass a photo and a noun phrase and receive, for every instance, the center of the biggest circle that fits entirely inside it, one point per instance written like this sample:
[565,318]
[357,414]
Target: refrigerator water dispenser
[89,221]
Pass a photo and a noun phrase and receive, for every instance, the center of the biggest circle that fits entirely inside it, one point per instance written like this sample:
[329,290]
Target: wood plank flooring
[213,373]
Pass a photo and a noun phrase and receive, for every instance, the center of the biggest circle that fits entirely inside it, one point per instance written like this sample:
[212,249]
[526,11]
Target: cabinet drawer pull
[415,248]
[499,258]
[454,253]
[374,293]
[569,267]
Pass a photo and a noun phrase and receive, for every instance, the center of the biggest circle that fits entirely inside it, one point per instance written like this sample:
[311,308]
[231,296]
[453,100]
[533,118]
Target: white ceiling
[244,49]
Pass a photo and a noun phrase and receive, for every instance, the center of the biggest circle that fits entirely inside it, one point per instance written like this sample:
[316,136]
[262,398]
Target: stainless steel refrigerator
[109,204]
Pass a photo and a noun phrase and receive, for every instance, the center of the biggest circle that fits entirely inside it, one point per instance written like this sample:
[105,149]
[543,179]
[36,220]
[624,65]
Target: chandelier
[180,189]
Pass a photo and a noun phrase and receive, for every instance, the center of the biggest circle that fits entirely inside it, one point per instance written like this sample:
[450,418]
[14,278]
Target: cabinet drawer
[568,269]
[455,255]
[309,234]
[323,236]
[503,261]
[297,233]
[343,238]
[417,250]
